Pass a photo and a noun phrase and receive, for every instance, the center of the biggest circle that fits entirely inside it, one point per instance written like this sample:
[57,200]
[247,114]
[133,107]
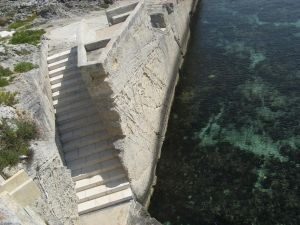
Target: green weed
[28,36]
[21,23]
[5,76]
[8,98]
[23,67]
[14,140]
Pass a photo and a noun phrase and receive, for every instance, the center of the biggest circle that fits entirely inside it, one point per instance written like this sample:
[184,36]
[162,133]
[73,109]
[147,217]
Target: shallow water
[232,149]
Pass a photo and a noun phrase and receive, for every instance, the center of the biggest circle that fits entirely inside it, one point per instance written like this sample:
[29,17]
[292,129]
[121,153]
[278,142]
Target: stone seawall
[133,84]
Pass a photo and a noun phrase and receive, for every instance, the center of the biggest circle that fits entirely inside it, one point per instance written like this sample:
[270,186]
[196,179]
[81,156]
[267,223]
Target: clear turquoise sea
[232,149]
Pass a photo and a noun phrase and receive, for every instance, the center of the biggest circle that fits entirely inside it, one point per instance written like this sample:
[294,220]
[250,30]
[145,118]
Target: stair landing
[111,216]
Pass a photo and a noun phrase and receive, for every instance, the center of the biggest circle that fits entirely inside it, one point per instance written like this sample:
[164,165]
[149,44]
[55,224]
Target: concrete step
[75,114]
[79,101]
[81,132]
[67,62]
[80,123]
[58,56]
[80,87]
[66,84]
[70,103]
[14,182]
[97,157]
[62,55]
[66,76]
[64,114]
[67,73]
[102,190]
[94,169]
[105,201]
[65,109]
[87,150]
[63,70]
[65,94]
[86,140]
[99,179]
[26,193]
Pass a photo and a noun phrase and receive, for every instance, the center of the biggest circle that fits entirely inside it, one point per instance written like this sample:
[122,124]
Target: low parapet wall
[134,89]
[110,14]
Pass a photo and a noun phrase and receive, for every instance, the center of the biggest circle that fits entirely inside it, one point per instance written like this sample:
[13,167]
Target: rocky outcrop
[14,10]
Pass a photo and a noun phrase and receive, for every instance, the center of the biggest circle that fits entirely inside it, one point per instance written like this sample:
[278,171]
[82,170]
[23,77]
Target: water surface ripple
[232,149]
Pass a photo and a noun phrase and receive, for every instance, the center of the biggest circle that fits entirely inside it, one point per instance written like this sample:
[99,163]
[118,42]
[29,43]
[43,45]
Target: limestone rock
[138,215]
[7,112]
[4,34]
[57,206]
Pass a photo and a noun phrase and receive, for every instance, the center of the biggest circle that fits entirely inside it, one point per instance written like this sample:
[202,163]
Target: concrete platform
[116,215]
[63,34]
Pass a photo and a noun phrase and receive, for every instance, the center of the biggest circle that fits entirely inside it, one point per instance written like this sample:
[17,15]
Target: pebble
[7,112]
[4,34]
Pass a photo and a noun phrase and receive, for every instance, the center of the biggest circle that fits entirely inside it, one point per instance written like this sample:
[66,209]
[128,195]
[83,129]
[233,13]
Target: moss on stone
[28,36]
[23,67]
[22,23]
[14,140]
[5,76]
[8,98]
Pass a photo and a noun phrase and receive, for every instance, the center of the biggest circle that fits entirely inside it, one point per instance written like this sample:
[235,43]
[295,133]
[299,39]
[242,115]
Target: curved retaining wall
[133,84]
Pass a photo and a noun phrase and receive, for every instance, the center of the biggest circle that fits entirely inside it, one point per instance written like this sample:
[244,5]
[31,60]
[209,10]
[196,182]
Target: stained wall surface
[141,70]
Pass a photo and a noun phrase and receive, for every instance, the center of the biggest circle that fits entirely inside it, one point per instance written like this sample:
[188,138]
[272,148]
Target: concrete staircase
[20,187]
[100,180]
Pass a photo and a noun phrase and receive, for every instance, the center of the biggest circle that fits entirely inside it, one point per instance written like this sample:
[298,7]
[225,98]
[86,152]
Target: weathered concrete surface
[63,34]
[138,215]
[116,215]
[133,84]
[13,213]
[58,204]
